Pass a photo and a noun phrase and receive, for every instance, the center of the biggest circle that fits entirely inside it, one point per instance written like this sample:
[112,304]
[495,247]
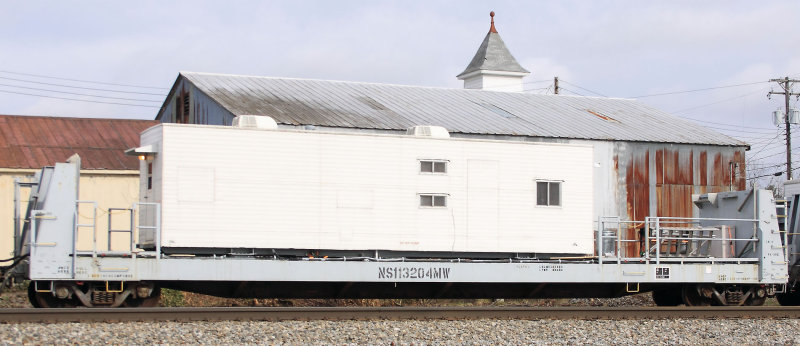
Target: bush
[172,298]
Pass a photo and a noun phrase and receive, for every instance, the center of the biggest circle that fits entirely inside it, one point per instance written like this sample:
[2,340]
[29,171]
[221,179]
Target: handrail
[137,207]
[111,229]
[696,244]
[79,225]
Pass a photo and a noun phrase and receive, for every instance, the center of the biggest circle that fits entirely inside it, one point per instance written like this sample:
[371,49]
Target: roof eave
[465,74]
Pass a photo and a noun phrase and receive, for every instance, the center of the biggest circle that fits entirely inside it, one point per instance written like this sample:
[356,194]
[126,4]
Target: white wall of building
[313,190]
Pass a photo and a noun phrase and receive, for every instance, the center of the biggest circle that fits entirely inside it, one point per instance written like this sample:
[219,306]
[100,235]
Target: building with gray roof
[646,162]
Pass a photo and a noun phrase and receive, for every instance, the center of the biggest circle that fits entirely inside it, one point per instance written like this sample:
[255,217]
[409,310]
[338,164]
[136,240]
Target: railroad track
[395,313]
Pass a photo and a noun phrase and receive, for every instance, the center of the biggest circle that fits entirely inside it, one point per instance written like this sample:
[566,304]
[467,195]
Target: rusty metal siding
[637,197]
[660,179]
[33,142]
[678,171]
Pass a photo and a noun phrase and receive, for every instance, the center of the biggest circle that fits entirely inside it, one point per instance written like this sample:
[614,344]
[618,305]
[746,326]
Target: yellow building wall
[110,189]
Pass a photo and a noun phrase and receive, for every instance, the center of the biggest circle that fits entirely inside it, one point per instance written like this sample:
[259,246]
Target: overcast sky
[611,48]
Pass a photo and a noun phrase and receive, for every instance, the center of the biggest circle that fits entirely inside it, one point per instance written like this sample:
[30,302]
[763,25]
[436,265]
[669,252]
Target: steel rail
[390,313]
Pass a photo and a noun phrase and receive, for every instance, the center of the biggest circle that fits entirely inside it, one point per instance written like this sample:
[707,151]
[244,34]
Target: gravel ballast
[679,331]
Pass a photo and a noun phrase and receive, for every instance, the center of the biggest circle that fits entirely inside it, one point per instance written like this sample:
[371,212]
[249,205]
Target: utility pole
[786,85]
[555,83]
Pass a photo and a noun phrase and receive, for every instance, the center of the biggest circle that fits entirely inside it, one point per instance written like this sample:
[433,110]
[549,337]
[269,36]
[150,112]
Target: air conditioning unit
[428,131]
[255,122]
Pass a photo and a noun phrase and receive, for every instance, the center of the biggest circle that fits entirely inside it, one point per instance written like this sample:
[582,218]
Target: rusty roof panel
[34,142]
[396,107]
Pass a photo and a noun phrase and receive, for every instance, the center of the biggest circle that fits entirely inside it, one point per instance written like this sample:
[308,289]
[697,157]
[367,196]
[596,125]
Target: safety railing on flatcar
[148,209]
[674,239]
[88,221]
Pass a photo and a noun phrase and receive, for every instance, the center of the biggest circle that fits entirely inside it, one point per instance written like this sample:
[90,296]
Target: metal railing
[674,239]
[78,226]
[142,207]
[129,230]
[133,229]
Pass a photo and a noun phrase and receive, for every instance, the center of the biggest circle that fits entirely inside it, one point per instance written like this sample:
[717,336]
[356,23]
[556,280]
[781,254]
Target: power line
[762,149]
[743,131]
[760,142]
[582,88]
[723,124]
[772,155]
[776,174]
[765,175]
[696,90]
[717,102]
[754,137]
[85,88]
[79,94]
[71,99]
[563,88]
[82,81]
[537,81]
[770,145]
[756,166]
[534,89]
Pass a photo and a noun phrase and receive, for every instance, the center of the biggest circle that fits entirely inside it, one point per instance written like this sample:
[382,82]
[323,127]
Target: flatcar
[253,211]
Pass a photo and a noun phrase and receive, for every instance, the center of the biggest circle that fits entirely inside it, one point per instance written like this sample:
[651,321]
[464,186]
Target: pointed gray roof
[493,55]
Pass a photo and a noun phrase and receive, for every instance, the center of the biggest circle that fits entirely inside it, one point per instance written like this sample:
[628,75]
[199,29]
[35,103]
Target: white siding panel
[482,204]
[316,190]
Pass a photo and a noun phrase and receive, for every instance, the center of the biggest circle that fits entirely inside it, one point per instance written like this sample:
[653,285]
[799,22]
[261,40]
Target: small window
[431,166]
[149,175]
[439,201]
[548,193]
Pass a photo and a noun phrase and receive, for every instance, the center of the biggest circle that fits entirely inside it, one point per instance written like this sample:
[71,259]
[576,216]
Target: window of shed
[433,166]
[430,200]
[548,193]
[149,175]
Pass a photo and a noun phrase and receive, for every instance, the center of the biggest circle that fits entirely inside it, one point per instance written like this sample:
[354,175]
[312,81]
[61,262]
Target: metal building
[646,161]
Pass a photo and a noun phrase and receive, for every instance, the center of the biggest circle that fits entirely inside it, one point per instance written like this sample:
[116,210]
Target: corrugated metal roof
[35,142]
[396,107]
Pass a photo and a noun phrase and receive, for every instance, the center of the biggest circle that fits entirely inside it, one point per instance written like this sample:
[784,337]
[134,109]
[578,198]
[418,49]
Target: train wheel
[148,302]
[692,296]
[46,299]
[667,297]
[32,296]
[758,296]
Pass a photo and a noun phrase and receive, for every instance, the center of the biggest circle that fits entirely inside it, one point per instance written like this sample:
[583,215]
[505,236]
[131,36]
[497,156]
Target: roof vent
[428,131]
[255,122]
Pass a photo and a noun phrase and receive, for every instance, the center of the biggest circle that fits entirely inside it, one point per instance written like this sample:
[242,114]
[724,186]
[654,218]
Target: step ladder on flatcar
[128,227]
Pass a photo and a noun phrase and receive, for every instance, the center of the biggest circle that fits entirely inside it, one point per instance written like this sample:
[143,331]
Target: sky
[659,52]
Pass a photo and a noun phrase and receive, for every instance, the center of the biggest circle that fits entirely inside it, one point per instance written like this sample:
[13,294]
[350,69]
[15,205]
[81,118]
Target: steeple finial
[492,29]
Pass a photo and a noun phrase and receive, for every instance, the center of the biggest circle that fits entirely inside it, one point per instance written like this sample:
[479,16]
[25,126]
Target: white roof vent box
[255,122]
[428,131]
